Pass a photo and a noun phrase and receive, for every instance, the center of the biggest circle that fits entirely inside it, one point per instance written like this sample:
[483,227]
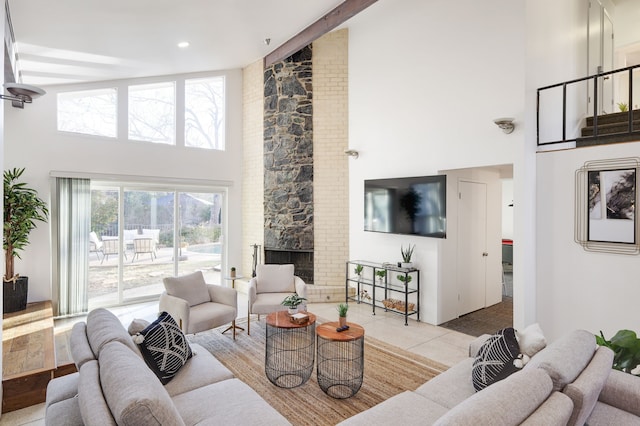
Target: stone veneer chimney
[288,163]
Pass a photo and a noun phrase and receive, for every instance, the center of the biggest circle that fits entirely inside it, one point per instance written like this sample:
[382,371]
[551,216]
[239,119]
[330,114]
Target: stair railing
[571,85]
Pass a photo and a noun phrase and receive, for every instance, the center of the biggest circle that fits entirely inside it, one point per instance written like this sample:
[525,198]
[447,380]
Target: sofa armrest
[177,308]
[476,344]
[621,390]
[225,295]
[301,287]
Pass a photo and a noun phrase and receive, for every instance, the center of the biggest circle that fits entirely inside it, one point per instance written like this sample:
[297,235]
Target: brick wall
[331,168]
[252,164]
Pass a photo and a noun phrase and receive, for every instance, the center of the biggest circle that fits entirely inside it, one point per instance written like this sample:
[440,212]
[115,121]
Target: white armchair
[197,306]
[270,286]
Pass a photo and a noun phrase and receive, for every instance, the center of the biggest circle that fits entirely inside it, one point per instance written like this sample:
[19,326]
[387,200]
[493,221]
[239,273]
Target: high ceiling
[71,41]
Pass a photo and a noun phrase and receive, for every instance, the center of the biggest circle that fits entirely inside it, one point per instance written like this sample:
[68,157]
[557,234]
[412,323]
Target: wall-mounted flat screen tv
[413,205]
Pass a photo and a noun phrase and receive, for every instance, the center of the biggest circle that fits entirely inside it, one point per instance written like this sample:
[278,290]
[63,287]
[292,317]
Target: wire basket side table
[290,350]
[340,366]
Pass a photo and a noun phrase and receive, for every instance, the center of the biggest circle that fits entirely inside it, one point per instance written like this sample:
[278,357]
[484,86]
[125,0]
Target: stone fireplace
[288,163]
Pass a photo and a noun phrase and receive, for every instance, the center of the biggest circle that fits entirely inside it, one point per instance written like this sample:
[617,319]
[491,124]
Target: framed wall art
[606,195]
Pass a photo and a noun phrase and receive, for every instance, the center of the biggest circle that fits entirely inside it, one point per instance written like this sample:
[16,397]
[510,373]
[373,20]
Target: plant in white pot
[22,208]
[406,256]
[293,301]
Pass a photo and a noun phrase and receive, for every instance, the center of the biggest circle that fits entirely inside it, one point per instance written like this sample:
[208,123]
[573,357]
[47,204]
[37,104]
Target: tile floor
[437,343]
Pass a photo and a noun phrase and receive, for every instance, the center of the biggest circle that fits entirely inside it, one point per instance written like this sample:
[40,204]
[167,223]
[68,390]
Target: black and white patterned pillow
[164,347]
[495,359]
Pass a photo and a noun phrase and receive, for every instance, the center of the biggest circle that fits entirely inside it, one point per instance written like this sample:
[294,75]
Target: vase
[407,265]
[293,311]
[342,321]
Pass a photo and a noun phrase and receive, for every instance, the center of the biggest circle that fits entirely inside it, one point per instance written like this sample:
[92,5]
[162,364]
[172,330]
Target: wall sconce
[21,94]
[506,124]
[352,153]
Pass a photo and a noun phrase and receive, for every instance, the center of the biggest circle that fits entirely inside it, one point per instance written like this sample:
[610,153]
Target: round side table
[290,349]
[340,367]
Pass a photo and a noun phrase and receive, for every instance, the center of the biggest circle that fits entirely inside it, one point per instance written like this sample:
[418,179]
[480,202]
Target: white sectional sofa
[113,385]
[570,382]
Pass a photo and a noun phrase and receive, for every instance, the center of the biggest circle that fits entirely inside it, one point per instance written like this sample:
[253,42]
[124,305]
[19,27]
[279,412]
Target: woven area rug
[388,371]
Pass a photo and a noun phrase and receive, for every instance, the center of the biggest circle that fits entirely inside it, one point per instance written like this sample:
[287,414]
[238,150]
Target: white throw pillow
[531,340]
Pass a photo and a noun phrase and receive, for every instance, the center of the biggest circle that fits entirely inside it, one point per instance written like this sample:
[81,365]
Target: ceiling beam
[328,22]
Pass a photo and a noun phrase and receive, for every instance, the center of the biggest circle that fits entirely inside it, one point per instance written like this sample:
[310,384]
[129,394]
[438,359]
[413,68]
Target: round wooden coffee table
[290,349]
[340,367]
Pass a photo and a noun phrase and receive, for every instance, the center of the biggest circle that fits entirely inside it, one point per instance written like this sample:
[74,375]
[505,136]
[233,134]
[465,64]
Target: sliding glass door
[141,235]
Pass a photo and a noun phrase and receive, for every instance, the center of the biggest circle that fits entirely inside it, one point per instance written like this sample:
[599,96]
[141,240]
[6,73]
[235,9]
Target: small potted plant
[22,208]
[381,273]
[404,279]
[342,314]
[358,270]
[233,272]
[292,302]
[406,256]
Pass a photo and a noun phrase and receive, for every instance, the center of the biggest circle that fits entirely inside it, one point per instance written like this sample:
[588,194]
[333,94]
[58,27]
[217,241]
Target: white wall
[507,212]
[626,18]
[32,141]
[426,80]
[580,289]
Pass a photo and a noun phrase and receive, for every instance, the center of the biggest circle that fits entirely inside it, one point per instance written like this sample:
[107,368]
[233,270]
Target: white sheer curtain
[73,223]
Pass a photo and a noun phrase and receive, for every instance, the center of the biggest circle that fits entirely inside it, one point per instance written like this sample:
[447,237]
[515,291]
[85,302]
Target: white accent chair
[197,306]
[270,286]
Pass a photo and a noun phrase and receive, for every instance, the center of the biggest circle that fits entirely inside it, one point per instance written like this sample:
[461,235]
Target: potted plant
[626,350]
[233,272]
[358,270]
[381,273]
[406,256]
[292,302]
[22,208]
[404,279]
[342,314]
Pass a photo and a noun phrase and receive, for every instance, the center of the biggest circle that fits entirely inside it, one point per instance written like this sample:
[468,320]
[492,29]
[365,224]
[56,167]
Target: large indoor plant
[22,208]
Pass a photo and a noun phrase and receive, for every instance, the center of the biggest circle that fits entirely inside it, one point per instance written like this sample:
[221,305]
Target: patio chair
[142,245]
[110,246]
[197,306]
[270,286]
[95,245]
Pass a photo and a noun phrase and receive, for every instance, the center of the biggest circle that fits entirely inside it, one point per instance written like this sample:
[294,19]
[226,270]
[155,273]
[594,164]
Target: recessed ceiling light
[183,44]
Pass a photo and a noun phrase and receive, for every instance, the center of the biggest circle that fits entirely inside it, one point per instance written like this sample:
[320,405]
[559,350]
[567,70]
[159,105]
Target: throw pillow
[495,360]
[531,340]
[137,325]
[190,287]
[164,347]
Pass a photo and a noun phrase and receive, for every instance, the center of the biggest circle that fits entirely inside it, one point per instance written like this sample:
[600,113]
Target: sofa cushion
[104,327]
[495,359]
[621,390]
[584,391]
[164,347]
[451,387]
[406,408]
[507,402]
[556,410]
[565,358]
[275,279]
[64,413]
[93,406]
[604,414]
[79,345]
[531,340]
[61,388]
[202,369]
[229,402]
[191,287]
[134,395]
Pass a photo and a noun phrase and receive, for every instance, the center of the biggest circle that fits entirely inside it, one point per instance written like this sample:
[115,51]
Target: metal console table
[384,286]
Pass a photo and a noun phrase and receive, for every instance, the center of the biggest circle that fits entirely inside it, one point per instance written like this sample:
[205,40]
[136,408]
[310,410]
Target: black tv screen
[413,205]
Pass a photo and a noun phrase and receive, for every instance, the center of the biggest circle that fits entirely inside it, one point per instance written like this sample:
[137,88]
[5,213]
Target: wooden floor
[28,355]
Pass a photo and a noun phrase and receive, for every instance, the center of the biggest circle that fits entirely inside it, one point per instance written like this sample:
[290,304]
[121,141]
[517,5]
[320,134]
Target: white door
[472,246]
